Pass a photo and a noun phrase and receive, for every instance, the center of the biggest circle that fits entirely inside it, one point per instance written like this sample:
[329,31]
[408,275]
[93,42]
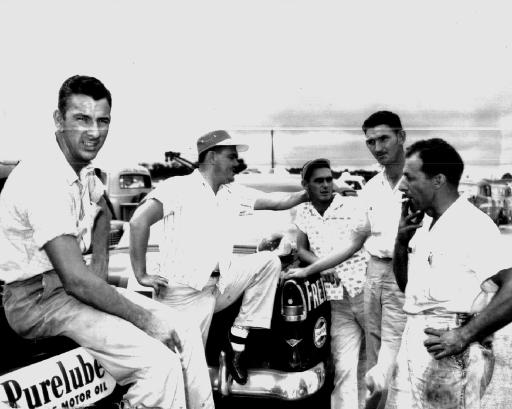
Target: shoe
[236,367]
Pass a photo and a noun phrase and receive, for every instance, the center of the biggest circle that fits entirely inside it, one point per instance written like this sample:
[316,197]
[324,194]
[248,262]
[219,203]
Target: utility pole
[272,159]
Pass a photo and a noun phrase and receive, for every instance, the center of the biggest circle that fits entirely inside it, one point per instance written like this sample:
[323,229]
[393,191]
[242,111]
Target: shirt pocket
[445,275]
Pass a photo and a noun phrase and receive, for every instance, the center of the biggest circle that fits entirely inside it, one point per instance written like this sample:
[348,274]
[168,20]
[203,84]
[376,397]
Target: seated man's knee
[271,260]
[163,365]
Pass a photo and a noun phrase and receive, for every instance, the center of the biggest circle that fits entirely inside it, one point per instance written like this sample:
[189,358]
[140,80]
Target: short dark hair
[312,165]
[438,156]
[84,85]
[383,118]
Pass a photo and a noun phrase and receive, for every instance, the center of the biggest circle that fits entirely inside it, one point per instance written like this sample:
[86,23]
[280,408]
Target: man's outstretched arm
[280,201]
[352,245]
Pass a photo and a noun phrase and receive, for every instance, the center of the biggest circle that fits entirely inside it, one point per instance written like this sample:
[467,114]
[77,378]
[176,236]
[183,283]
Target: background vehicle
[126,187]
[492,196]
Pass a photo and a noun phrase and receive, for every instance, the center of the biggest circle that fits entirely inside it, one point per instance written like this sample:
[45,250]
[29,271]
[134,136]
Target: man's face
[225,161]
[416,185]
[83,128]
[385,144]
[320,186]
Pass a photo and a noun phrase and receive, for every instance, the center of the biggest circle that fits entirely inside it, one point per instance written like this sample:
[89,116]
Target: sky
[310,70]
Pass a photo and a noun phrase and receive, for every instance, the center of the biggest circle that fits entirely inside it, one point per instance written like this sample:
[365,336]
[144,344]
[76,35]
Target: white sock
[238,336]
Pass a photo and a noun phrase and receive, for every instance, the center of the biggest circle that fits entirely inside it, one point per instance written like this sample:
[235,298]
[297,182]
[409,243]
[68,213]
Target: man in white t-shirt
[380,203]
[199,274]
[323,224]
[52,211]
[457,278]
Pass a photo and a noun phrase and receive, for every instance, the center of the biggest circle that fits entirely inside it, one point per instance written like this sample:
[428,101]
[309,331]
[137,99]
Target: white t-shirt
[198,226]
[383,206]
[450,264]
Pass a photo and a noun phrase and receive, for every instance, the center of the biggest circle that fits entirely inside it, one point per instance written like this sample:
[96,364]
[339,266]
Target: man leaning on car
[199,275]
[45,228]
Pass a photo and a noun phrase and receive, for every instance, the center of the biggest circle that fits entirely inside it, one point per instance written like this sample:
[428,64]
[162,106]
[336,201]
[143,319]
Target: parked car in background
[492,196]
[125,186]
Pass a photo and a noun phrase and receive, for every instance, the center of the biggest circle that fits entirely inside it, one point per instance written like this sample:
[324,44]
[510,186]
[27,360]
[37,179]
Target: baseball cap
[312,165]
[218,138]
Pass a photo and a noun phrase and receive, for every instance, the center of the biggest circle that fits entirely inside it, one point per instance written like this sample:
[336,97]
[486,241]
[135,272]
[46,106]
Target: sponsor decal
[70,380]
[320,332]
[316,293]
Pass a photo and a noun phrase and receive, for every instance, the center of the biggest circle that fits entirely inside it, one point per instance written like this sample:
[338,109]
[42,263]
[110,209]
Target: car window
[134,181]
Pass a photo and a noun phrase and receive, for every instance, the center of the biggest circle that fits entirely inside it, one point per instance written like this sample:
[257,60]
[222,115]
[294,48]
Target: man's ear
[401,134]
[210,157]
[58,119]
[439,180]
[304,184]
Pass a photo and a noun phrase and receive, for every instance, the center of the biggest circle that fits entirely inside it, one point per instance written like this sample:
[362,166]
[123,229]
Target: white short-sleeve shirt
[42,199]
[383,206]
[198,226]
[450,264]
[329,232]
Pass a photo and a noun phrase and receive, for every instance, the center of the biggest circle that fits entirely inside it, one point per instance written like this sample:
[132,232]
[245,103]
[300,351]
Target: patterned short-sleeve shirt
[328,232]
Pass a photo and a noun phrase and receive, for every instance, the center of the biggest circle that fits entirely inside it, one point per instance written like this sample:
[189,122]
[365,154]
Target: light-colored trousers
[421,382]
[347,333]
[384,315]
[39,307]
[255,275]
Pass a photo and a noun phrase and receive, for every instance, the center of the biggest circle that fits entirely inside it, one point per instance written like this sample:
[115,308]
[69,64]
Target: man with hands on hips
[199,274]
[457,281]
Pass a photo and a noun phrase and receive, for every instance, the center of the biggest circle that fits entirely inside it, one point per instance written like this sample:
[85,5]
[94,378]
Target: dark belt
[215,273]
[385,259]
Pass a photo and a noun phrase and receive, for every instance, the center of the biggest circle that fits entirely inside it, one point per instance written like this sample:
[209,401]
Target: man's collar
[336,202]
[63,166]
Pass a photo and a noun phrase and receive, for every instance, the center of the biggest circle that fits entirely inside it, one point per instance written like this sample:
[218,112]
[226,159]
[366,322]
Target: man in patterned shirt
[323,224]
[381,204]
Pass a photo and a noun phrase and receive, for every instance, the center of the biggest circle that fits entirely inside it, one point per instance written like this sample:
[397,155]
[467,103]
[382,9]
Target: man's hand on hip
[153,280]
[443,343]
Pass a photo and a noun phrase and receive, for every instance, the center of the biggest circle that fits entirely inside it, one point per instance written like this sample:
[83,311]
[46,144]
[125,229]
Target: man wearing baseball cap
[198,274]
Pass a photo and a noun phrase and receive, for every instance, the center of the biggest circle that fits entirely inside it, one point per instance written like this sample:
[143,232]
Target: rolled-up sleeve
[166,193]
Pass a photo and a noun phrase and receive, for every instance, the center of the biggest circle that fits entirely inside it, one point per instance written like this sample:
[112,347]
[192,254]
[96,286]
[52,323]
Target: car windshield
[134,181]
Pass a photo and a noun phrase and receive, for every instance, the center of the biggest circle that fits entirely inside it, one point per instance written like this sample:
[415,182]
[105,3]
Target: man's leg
[196,305]
[43,309]
[346,337]
[256,276]
[393,320]
[193,360]
[373,310]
